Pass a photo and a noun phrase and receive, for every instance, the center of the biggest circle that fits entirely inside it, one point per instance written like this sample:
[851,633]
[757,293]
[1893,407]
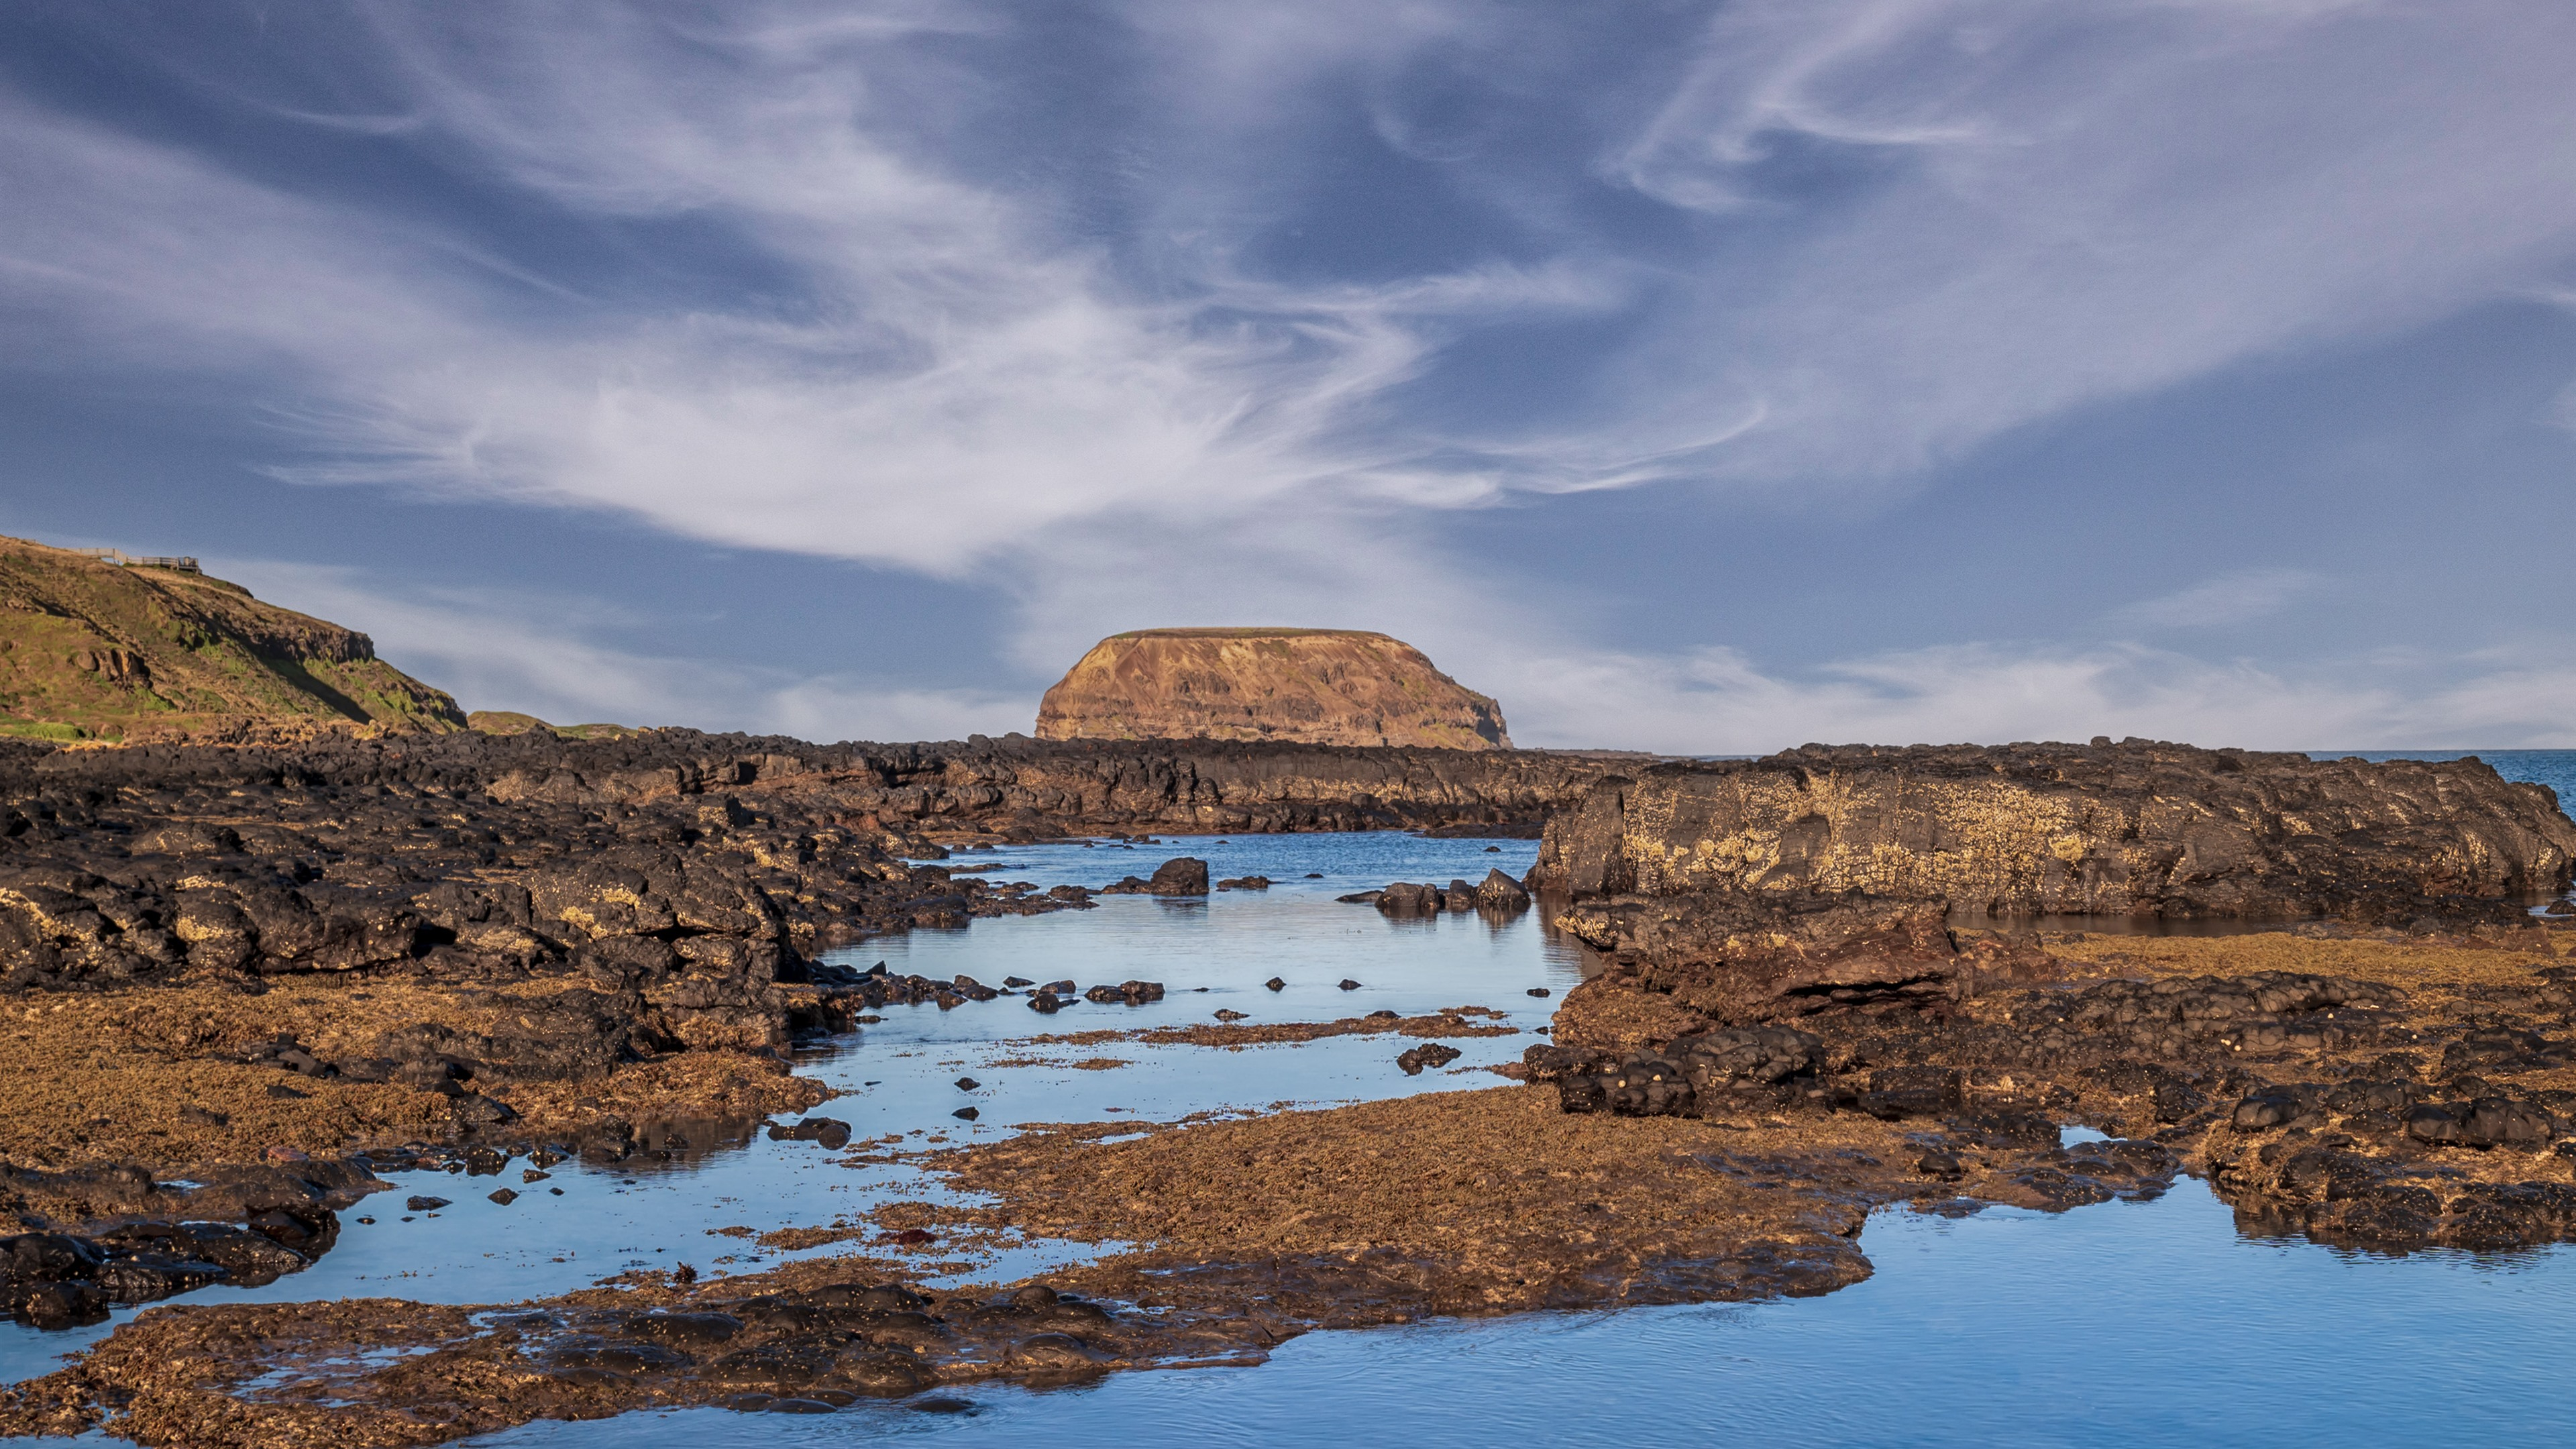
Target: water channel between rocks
[2150,1322]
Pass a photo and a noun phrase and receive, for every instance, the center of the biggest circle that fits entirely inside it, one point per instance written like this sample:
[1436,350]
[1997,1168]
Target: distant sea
[2553,768]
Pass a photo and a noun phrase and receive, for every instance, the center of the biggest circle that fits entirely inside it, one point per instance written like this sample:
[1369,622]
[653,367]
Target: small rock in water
[1275,984]
[967,1084]
[1538,991]
[425,1204]
[1224,1015]
[1016,982]
[1429,1054]
[829,1132]
[1349,985]
[504,1196]
[965,1114]
[532,1175]
[1045,1002]
[1493,850]
[1314,875]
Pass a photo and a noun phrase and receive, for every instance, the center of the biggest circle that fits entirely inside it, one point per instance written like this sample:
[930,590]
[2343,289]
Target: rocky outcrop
[1182,876]
[1030,789]
[91,649]
[1497,892]
[1312,686]
[2138,828]
[1732,956]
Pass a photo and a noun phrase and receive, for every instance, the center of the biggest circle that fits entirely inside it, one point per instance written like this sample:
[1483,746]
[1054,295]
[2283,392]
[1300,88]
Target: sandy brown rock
[2138,828]
[1312,686]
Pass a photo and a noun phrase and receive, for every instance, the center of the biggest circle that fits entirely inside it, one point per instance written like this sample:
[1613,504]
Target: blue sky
[1707,377]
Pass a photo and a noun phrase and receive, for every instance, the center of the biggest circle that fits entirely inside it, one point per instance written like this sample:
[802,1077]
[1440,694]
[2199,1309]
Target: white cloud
[2056,205]
[2227,599]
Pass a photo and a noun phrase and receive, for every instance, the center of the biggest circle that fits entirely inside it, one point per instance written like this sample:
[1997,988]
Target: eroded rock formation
[2131,829]
[1311,686]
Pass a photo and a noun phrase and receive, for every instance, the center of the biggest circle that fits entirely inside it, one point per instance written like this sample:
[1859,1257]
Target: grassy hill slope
[92,650]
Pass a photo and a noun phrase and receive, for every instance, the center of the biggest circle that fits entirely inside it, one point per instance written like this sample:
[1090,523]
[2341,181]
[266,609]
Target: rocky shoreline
[315,971]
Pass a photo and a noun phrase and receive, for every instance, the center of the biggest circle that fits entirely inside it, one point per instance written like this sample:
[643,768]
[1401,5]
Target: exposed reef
[1311,686]
[2380,1090]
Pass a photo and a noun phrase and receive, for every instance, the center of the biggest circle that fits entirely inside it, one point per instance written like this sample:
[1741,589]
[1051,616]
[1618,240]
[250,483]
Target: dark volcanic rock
[2134,829]
[1182,876]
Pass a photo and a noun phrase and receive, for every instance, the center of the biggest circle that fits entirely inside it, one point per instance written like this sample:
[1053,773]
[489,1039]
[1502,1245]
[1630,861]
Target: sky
[1695,377]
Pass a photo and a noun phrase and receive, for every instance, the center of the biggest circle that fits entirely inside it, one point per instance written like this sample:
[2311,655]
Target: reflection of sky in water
[2121,1324]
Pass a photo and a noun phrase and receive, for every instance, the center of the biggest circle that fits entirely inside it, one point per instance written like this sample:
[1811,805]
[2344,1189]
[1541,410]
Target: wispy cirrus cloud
[551,655]
[2232,598]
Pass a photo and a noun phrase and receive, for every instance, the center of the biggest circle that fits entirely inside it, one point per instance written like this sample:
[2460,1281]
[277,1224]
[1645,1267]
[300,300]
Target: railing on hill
[180,562]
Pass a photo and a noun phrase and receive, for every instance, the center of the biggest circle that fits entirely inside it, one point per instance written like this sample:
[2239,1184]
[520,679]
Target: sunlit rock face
[1307,686]
[2138,828]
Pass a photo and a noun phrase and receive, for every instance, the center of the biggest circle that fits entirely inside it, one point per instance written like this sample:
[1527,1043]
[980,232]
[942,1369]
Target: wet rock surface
[2139,828]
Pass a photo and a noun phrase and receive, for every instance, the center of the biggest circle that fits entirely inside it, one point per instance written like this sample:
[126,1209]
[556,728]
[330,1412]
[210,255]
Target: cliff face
[91,649]
[1310,686]
[2133,829]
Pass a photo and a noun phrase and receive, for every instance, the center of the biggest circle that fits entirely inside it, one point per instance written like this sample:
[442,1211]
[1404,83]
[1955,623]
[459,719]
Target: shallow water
[2148,1323]
[2127,1323]
[900,1074]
